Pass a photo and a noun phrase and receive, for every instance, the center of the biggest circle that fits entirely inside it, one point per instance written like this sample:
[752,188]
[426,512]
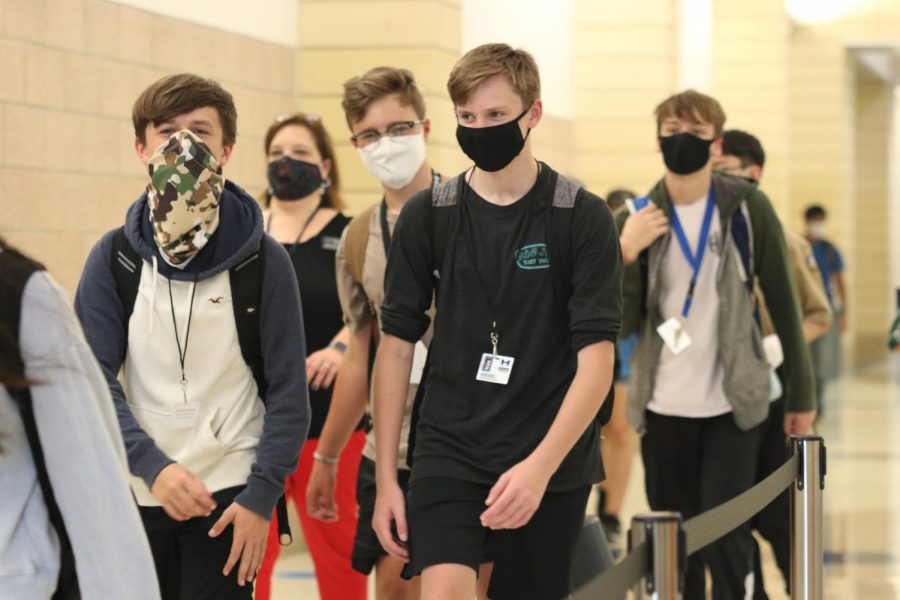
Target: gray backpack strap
[565,191]
[445,194]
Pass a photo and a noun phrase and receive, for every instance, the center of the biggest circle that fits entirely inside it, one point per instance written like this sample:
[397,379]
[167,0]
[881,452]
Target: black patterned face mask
[291,179]
[493,148]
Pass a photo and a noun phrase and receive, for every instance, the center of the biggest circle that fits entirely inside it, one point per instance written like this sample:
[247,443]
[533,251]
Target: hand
[248,543]
[798,423]
[390,508]
[323,366]
[182,495]
[320,492]
[515,497]
[641,229]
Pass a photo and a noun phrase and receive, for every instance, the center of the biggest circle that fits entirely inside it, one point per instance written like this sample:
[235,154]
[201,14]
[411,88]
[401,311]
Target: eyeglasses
[398,129]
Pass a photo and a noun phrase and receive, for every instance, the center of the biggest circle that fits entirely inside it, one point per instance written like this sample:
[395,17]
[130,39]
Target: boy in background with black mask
[208,459]
[506,441]
[700,382]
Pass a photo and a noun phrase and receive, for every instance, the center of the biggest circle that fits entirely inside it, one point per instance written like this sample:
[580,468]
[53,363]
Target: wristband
[339,346]
[328,460]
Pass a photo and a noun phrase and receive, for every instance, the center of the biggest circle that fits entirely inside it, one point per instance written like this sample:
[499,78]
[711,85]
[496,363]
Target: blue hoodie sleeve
[283,347]
[102,317]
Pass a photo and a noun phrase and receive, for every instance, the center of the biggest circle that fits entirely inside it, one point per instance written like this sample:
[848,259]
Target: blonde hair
[374,84]
[483,62]
[689,105]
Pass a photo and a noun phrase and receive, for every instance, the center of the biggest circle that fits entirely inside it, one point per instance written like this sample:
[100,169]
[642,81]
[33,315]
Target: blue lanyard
[694,260]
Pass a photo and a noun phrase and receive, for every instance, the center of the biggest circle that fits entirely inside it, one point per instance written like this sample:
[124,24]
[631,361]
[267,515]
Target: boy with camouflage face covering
[203,450]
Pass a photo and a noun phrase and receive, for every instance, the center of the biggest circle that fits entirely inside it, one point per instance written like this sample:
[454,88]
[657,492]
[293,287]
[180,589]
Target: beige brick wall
[70,71]
[339,40]
[625,64]
[870,281]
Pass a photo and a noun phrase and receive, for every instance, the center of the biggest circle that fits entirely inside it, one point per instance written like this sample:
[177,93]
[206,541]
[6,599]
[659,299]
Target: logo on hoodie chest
[533,256]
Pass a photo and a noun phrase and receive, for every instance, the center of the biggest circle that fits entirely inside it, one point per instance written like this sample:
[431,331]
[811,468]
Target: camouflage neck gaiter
[185,185]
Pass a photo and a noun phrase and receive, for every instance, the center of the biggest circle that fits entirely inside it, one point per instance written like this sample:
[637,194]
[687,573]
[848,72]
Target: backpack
[22,269]
[246,281]
[558,231]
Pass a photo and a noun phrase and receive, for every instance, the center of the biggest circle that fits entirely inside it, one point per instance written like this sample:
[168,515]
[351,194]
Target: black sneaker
[613,530]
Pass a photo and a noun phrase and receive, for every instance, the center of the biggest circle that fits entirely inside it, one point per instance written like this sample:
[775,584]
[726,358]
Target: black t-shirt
[474,430]
[314,263]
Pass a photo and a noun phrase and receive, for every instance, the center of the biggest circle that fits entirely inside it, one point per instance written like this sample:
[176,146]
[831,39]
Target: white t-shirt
[690,384]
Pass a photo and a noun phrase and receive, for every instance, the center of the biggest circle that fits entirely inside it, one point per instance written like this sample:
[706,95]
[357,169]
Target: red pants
[330,544]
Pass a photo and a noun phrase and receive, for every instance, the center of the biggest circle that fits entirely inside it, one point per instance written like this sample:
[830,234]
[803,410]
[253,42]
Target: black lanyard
[182,353]
[385,226]
[520,235]
[309,219]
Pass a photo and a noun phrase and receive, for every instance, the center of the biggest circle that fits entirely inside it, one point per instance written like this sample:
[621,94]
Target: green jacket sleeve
[632,288]
[773,269]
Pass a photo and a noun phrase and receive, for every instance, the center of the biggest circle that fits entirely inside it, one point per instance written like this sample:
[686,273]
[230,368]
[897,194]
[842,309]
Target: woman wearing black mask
[303,212]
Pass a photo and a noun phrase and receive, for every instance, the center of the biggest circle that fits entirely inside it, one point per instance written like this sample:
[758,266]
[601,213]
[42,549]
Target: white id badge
[186,415]
[495,369]
[418,364]
[774,351]
[673,334]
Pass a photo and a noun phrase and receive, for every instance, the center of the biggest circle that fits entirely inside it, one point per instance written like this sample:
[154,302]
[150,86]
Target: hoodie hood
[730,191]
[239,235]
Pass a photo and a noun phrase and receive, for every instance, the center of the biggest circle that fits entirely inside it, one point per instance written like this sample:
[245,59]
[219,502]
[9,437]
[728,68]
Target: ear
[226,155]
[716,148]
[325,168]
[140,148]
[756,172]
[426,128]
[536,113]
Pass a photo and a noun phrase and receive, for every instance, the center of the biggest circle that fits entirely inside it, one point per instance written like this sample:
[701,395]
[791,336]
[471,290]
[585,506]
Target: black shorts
[530,563]
[367,549]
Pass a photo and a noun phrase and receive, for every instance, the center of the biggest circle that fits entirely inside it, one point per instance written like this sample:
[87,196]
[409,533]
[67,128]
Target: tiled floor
[862,496]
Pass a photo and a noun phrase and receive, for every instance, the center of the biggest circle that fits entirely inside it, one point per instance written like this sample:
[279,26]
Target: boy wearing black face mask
[157,301]
[700,382]
[506,441]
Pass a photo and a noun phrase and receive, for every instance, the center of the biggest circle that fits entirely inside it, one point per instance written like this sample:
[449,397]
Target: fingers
[321,371]
[330,377]
[224,521]
[249,556]
[382,526]
[501,509]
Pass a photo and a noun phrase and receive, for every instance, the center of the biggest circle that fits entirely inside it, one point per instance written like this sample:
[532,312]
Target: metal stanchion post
[807,547]
[666,541]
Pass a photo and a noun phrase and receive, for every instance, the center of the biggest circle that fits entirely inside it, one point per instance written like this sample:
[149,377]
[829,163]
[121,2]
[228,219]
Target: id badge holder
[420,355]
[186,415]
[495,368]
[673,334]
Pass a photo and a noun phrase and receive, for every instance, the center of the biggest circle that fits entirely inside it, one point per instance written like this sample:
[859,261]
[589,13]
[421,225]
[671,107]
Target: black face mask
[291,179]
[492,148]
[684,153]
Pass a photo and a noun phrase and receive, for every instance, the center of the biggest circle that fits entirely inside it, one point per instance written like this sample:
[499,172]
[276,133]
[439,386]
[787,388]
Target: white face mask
[817,230]
[395,160]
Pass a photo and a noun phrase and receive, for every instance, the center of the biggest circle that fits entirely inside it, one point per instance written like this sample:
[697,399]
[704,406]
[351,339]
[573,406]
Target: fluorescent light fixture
[822,11]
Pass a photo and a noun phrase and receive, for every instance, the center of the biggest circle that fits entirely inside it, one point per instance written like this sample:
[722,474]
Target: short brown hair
[312,123]
[377,83]
[690,105]
[175,95]
[488,60]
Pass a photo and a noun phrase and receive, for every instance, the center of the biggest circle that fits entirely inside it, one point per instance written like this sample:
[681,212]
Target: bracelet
[339,346]
[328,460]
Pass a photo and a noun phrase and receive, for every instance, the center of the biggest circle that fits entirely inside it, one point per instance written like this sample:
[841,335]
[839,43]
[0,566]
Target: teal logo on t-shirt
[533,256]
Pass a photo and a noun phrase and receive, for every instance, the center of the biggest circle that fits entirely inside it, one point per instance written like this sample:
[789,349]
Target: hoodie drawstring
[152,293]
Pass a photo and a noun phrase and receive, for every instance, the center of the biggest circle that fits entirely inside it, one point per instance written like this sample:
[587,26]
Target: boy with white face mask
[386,115]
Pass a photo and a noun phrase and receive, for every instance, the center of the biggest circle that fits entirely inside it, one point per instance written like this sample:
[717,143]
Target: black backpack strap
[246,300]
[126,266]
[67,583]
[441,228]
[560,217]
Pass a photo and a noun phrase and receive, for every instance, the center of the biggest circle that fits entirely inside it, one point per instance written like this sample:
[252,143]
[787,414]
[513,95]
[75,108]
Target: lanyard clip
[495,339]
